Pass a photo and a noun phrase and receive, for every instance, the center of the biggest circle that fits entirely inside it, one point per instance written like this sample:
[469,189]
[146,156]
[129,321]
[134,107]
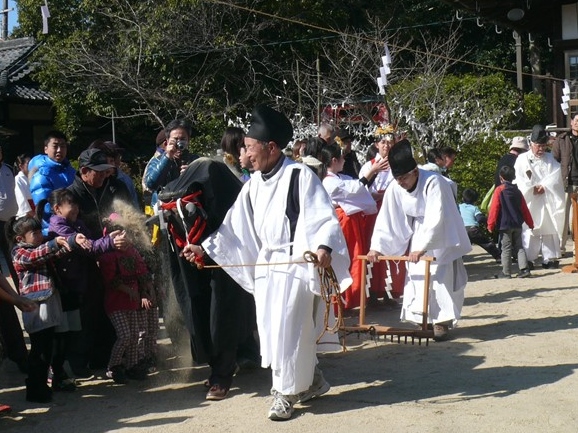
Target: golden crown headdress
[339,142]
[383,130]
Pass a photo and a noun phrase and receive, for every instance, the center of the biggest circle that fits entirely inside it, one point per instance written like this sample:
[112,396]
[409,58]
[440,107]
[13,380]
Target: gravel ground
[509,367]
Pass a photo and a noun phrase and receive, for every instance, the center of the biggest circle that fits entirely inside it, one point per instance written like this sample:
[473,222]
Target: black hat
[114,147]
[539,135]
[401,158]
[95,159]
[161,137]
[341,134]
[270,125]
[110,148]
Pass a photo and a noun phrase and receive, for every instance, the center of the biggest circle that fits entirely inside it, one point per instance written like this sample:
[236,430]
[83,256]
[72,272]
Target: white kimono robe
[382,179]
[547,209]
[349,194]
[256,230]
[426,219]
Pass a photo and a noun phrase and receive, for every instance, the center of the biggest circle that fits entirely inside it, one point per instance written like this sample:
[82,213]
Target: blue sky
[13,16]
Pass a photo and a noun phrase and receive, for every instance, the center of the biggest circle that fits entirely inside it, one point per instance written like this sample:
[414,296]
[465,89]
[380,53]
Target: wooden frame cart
[406,333]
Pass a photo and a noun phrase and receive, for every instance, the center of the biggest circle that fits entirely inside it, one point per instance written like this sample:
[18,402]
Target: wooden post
[573,268]
[363,291]
[426,296]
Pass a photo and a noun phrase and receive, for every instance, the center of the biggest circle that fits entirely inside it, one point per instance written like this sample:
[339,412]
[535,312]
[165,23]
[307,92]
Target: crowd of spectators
[89,286]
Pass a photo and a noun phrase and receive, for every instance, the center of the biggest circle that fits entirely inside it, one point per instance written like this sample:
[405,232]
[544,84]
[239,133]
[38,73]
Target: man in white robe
[281,212]
[419,215]
[539,178]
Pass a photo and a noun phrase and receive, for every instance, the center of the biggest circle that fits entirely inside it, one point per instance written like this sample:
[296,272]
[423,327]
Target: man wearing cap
[281,212]
[114,156]
[539,178]
[565,151]
[50,171]
[419,215]
[94,192]
[519,145]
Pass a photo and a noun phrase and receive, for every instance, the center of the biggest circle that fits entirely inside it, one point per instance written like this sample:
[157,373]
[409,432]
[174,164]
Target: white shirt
[22,192]
[8,205]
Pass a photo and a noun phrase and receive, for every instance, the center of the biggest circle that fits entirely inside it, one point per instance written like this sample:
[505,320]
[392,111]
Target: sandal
[440,332]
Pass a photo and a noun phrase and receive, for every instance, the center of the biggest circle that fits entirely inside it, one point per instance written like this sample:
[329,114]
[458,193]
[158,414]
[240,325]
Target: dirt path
[510,367]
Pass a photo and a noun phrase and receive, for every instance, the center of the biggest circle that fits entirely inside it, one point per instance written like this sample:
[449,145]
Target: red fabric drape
[354,230]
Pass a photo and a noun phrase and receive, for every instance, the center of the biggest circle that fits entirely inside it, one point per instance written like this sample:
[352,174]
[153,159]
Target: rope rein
[330,293]
[329,287]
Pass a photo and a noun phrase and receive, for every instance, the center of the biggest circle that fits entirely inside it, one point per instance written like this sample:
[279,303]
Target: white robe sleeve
[441,232]
[393,230]
[350,194]
[426,220]
[318,225]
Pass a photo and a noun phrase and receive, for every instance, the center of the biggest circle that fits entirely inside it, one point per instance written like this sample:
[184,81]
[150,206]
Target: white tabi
[256,230]
[426,219]
[547,209]
[382,178]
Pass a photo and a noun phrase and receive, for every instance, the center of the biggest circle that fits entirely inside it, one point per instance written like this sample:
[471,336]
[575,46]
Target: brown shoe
[440,332]
[217,392]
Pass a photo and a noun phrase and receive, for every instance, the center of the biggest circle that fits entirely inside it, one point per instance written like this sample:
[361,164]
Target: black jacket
[96,204]
[508,159]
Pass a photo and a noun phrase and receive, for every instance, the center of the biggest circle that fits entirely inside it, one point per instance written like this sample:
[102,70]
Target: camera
[182,144]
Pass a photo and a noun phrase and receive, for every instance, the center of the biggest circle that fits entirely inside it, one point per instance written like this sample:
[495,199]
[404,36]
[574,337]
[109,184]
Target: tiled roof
[28,91]
[16,68]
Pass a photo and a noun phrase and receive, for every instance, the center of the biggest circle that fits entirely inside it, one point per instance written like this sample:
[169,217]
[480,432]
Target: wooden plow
[404,334]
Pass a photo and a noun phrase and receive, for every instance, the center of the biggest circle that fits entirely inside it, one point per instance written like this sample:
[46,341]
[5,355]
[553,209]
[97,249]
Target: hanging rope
[331,294]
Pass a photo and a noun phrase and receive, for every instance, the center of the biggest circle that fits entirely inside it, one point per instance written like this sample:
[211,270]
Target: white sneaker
[282,408]
[319,387]
[314,390]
